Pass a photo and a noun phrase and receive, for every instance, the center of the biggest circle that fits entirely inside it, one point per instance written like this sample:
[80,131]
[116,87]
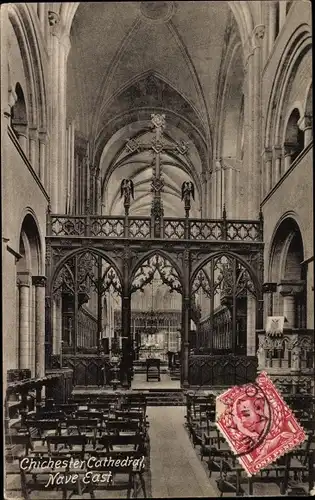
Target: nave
[182,452]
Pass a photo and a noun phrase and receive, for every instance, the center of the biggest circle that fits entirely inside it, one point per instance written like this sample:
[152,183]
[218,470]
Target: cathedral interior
[157,239]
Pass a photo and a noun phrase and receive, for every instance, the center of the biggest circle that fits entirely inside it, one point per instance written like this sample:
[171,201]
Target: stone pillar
[39,283]
[288,290]
[213,197]
[288,151]
[21,132]
[218,191]
[58,51]
[305,124]
[272,24]
[267,162]
[42,137]
[33,148]
[23,282]
[252,113]
[229,193]
[251,325]
[277,165]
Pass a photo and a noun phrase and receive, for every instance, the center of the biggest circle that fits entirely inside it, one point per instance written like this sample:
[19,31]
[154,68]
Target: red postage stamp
[257,423]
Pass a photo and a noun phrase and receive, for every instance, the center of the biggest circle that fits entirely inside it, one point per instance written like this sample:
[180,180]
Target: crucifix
[157,146]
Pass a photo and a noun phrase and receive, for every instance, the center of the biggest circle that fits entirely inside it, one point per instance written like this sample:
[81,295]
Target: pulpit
[153,369]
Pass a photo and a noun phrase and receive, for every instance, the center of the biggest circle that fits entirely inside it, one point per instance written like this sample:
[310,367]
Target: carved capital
[267,155]
[305,122]
[23,279]
[289,148]
[291,287]
[277,152]
[39,281]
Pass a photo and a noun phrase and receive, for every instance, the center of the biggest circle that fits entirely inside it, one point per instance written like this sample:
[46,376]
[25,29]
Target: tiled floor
[176,470]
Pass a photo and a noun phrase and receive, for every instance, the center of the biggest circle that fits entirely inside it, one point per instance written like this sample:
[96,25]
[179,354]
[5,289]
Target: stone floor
[176,470]
[140,382]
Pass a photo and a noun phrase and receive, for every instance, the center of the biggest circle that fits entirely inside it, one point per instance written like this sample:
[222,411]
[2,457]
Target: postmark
[257,423]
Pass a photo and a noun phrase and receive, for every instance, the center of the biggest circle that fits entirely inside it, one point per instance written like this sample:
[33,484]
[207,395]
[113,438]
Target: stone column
[252,117]
[277,172]
[229,193]
[21,132]
[251,325]
[288,290]
[213,191]
[23,282]
[58,51]
[288,151]
[42,137]
[305,124]
[39,283]
[33,148]
[218,191]
[272,24]
[267,162]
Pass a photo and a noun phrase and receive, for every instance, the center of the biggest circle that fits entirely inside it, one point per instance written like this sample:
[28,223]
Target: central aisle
[176,470]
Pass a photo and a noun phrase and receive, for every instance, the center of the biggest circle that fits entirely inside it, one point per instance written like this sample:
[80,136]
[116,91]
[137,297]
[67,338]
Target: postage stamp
[257,423]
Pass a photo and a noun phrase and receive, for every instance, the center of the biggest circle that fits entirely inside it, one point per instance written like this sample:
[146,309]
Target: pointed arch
[148,256]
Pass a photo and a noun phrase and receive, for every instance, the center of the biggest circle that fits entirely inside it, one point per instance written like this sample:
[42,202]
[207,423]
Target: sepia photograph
[157,249]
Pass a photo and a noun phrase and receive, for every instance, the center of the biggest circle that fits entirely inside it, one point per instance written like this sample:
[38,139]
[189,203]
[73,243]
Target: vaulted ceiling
[129,59]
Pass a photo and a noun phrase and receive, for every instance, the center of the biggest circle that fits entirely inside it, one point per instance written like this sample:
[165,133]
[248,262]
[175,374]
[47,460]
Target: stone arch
[31,297]
[299,43]
[31,241]
[283,235]
[20,17]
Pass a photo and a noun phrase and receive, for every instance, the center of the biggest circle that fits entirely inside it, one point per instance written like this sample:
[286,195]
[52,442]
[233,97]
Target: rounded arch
[30,237]
[20,16]
[80,251]
[238,258]
[299,43]
[286,233]
[148,256]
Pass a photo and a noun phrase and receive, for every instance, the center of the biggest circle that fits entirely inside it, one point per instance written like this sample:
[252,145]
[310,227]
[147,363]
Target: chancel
[157,241]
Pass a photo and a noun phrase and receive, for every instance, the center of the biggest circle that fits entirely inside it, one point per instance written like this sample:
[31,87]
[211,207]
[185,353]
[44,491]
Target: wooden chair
[38,481]
[119,426]
[65,444]
[109,443]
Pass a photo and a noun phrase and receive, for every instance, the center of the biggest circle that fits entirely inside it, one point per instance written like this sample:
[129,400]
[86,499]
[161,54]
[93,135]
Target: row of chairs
[292,474]
[93,432]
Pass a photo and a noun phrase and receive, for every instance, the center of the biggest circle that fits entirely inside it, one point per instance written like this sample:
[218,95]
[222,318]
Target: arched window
[19,117]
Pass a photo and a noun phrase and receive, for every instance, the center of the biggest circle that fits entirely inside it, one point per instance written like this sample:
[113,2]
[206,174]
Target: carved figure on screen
[127,192]
[188,192]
